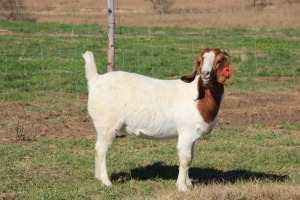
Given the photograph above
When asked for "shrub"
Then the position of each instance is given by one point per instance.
(162, 6)
(13, 10)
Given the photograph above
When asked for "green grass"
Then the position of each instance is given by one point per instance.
(41, 63)
(37, 57)
(64, 169)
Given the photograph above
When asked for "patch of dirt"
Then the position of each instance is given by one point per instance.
(30, 122)
(251, 108)
(26, 123)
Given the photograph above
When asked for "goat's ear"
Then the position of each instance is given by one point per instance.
(225, 73)
(190, 77)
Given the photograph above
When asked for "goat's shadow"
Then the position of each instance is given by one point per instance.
(160, 170)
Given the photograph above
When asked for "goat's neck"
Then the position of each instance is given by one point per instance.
(209, 100)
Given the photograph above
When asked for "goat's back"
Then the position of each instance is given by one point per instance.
(120, 88)
(142, 99)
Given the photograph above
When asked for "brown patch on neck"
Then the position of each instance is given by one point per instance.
(209, 100)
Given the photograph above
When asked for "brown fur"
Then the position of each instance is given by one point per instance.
(209, 100)
(210, 95)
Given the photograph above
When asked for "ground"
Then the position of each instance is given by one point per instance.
(22, 123)
(272, 14)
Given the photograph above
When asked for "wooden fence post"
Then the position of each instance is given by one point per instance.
(110, 34)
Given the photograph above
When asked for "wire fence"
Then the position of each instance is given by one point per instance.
(43, 86)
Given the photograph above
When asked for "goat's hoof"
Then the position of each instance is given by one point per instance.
(183, 188)
(107, 183)
(189, 184)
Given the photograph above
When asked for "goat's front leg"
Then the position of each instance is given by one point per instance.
(185, 153)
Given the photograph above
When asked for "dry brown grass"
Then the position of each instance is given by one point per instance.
(249, 191)
(271, 14)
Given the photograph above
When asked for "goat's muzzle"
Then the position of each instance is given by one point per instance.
(206, 77)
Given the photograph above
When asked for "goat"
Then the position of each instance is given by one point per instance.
(122, 102)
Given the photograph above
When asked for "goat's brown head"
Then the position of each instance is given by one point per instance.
(214, 66)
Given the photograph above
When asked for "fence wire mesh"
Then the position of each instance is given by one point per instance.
(43, 86)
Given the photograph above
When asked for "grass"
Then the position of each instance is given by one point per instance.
(41, 64)
(64, 169)
(47, 57)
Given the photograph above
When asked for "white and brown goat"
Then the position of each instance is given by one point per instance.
(121, 102)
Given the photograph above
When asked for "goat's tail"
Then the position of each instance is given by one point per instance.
(90, 66)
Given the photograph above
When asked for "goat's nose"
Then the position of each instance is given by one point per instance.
(205, 73)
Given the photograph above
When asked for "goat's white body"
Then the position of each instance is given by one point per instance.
(147, 108)
(144, 106)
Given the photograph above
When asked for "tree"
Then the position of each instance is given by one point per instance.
(162, 6)
(12, 10)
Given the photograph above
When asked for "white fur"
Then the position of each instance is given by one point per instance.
(146, 107)
(208, 63)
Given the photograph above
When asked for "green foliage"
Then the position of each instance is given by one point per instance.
(294, 126)
(64, 169)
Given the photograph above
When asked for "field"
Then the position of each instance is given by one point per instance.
(266, 14)
(47, 137)
(250, 162)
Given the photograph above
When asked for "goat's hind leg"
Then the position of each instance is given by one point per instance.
(105, 137)
(103, 143)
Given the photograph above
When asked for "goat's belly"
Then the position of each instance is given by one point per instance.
(151, 133)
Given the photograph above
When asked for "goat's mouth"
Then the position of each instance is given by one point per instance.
(206, 80)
